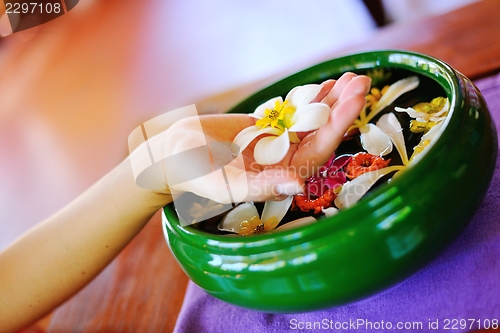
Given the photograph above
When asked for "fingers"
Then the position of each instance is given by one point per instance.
(337, 89)
(318, 146)
(357, 86)
(347, 108)
(326, 88)
(234, 183)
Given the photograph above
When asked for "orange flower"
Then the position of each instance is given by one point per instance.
(306, 204)
(364, 162)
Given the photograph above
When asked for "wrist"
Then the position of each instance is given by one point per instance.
(152, 199)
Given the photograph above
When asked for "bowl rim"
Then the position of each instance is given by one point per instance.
(421, 64)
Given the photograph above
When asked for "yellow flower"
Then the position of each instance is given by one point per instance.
(374, 96)
(244, 219)
(278, 117)
(373, 139)
(427, 115)
(280, 120)
(421, 126)
(256, 226)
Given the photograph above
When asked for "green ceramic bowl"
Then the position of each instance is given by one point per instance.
(387, 236)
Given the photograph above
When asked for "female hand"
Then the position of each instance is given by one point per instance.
(198, 158)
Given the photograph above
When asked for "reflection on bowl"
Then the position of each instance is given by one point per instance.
(387, 236)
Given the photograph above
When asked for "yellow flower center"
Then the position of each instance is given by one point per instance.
(274, 114)
(256, 226)
(431, 108)
(374, 96)
(280, 116)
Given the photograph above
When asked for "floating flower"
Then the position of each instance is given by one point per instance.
(354, 190)
(306, 204)
(280, 121)
(364, 162)
(244, 219)
(256, 226)
(322, 189)
(330, 176)
(373, 139)
(357, 188)
(427, 115)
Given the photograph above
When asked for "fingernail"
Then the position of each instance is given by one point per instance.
(362, 89)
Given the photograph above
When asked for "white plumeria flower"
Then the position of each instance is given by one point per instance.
(373, 139)
(388, 124)
(394, 92)
(244, 218)
(280, 120)
(392, 128)
(354, 190)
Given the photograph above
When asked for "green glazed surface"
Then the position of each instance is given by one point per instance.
(384, 238)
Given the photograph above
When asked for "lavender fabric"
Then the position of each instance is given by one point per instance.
(462, 283)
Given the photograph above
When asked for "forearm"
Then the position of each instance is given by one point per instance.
(58, 257)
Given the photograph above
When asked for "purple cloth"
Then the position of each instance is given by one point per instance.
(463, 282)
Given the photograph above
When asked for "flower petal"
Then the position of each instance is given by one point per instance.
(334, 180)
(272, 149)
(303, 95)
(276, 209)
(259, 111)
(412, 112)
(232, 221)
(247, 135)
(390, 125)
(330, 211)
(441, 114)
(429, 137)
(395, 90)
(297, 223)
(310, 117)
(355, 189)
(375, 141)
(433, 132)
(340, 162)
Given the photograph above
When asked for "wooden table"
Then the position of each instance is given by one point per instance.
(142, 290)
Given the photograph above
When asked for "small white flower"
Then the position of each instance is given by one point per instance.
(244, 218)
(390, 129)
(389, 125)
(280, 120)
(373, 139)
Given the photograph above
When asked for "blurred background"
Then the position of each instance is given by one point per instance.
(72, 90)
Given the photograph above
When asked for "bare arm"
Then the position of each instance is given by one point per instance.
(55, 259)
